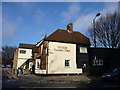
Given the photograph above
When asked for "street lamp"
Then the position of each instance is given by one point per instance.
(98, 14)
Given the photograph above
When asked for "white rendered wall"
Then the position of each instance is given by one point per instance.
(23, 57)
(58, 53)
(20, 62)
(27, 55)
(40, 71)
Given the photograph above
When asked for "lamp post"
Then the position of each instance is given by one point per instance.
(98, 14)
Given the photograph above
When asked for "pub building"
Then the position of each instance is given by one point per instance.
(62, 52)
(67, 52)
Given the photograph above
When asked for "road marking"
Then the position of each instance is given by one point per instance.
(111, 86)
(48, 87)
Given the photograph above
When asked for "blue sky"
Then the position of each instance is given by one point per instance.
(28, 22)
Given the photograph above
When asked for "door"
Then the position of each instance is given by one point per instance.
(84, 67)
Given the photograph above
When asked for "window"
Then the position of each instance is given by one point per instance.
(38, 65)
(83, 50)
(67, 63)
(22, 51)
(98, 62)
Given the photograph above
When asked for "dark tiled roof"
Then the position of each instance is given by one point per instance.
(68, 37)
(27, 46)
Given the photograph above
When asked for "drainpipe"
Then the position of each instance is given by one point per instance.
(47, 58)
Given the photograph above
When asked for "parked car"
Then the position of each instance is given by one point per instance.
(114, 75)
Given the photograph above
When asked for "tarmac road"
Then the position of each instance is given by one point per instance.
(33, 81)
(4, 74)
(7, 81)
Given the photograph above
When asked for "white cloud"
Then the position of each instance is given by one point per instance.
(8, 29)
(38, 15)
(109, 8)
(27, 6)
(82, 23)
(41, 33)
(72, 12)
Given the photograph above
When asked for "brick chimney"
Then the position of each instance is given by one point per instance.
(70, 27)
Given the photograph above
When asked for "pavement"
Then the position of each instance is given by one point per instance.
(10, 74)
(53, 78)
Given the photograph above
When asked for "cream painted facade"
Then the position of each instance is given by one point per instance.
(57, 54)
(22, 57)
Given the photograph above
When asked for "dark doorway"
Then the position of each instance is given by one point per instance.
(84, 67)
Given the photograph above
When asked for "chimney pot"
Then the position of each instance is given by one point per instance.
(70, 27)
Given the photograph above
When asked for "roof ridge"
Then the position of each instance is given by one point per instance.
(64, 36)
(83, 35)
(26, 43)
(52, 33)
(76, 32)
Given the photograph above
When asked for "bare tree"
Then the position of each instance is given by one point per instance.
(107, 31)
(8, 54)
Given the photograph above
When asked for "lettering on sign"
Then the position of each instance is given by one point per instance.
(61, 48)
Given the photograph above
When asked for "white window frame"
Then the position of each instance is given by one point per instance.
(68, 62)
(23, 51)
(37, 62)
(97, 62)
(83, 49)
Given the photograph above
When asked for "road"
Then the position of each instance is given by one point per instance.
(7, 81)
(32, 81)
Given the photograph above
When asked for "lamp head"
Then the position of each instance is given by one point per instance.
(98, 14)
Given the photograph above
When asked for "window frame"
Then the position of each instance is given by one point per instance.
(97, 62)
(22, 51)
(83, 49)
(67, 63)
(37, 63)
